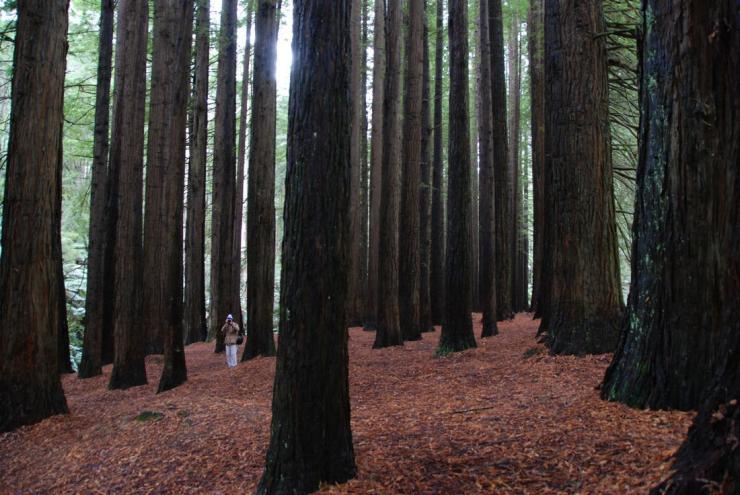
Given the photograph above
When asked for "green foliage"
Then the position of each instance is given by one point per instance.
(443, 351)
(144, 416)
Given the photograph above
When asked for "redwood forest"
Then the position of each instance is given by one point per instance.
(370, 246)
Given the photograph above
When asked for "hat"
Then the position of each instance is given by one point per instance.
(229, 317)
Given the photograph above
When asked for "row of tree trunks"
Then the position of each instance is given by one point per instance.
(584, 296)
(519, 282)
(196, 328)
(30, 388)
(535, 47)
(163, 233)
(502, 209)
(261, 193)
(388, 313)
(457, 328)
(376, 164)
(241, 160)
(223, 299)
(487, 191)
(409, 233)
(311, 440)
(126, 171)
(92, 345)
(425, 198)
(436, 269)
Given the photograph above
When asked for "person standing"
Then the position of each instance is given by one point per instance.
(230, 331)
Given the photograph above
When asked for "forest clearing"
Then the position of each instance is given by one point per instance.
(503, 418)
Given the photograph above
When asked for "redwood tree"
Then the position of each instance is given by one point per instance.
(92, 345)
(436, 269)
(584, 292)
(195, 228)
(502, 208)
(457, 329)
(261, 187)
(126, 166)
(311, 440)
(682, 314)
(30, 389)
(376, 164)
(487, 191)
(224, 298)
(163, 310)
(537, 105)
(409, 232)
(388, 329)
(425, 197)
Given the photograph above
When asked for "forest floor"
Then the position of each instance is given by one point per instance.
(503, 418)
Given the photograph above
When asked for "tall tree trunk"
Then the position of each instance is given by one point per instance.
(425, 199)
(681, 324)
(457, 329)
(535, 46)
(30, 389)
(376, 163)
(389, 330)
(474, 110)
(364, 176)
(519, 284)
(261, 194)
(355, 211)
(585, 297)
(311, 440)
(163, 278)
(162, 275)
(409, 233)
(436, 270)
(241, 160)
(223, 299)
(502, 209)
(196, 327)
(92, 344)
(126, 164)
(486, 190)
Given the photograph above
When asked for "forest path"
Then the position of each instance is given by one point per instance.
(535, 425)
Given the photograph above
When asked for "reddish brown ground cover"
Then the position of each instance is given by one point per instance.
(503, 418)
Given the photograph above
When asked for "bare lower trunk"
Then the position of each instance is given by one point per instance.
(425, 201)
(311, 440)
(537, 104)
(261, 193)
(126, 164)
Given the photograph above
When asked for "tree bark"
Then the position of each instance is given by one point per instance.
(126, 164)
(355, 272)
(425, 200)
(163, 272)
(389, 331)
(364, 176)
(502, 209)
(436, 271)
(457, 329)
(537, 104)
(224, 300)
(311, 440)
(261, 194)
(30, 389)
(92, 344)
(474, 110)
(487, 191)
(196, 327)
(376, 164)
(585, 296)
(409, 233)
(681, 327)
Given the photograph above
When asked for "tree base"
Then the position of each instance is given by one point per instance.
(490, 329)
(130, 376)
(28, 403)
(709, 460)
(580, 335)
(385, 338)
(88, 370)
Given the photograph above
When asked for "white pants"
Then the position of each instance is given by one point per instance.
(231, 355)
